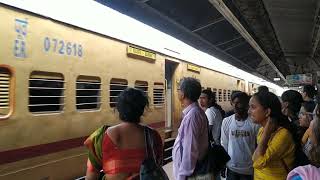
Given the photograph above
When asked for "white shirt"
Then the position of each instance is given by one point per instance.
(215, 119)
(239, 139)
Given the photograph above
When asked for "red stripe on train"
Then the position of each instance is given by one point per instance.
(43, 149)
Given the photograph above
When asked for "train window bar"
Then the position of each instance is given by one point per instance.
(88, 93)
(46, 92)
(224, 95)
(158, 95)
(220, 95)
(142, 85)
(5, 100)
(229, 95)
(116, 87)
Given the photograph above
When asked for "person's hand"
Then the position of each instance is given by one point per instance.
(270, 127)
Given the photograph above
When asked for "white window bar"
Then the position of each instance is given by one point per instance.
(88, 93)
(46, 95)
(116, 87)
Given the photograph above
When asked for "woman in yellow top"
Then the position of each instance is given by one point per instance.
(274, 156)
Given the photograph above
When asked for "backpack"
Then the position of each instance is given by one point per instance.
(149, 169)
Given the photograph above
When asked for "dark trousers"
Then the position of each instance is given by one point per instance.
(231, 175)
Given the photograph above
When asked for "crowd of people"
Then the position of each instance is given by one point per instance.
(266, 136)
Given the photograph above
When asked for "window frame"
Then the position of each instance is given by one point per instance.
(62, 100)
(160, 104)
(126, 85)
(11, 96)
(88, 78)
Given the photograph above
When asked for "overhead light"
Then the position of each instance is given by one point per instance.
(276, 79)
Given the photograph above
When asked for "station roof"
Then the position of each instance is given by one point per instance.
(268, 38)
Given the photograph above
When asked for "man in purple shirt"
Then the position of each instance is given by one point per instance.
(191, 143)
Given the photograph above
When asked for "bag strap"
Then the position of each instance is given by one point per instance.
(146, 140)
(149, 144)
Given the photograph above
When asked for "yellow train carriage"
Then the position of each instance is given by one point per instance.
(58, 84)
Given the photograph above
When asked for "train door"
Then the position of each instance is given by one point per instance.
(170, 68)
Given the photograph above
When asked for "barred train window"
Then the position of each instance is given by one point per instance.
(229, 95)
(214, 90)
(116, 87)
(5, 77)
(46, 92)
(224, 95)
(158, 95)
(220, 95)
(142, 85)
(88, 92)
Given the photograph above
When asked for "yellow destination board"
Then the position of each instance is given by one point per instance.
(141, 53)
(193, 68)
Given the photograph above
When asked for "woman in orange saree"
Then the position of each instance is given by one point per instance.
(119, 150)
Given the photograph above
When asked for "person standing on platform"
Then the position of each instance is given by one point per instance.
(238, 137)
(275, 154)
(191, 143)
(208, 103)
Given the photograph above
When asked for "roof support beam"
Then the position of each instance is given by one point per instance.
(210, 24)
(316, 32)
(226, 42)
(225, 11)
(236, 45)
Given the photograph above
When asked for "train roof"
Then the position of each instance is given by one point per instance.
(93, 16)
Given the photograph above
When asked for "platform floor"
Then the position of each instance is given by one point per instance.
(169, 170)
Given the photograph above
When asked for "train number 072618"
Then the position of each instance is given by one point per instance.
(62, 47)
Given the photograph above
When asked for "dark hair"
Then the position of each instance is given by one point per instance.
(210, 96)
(212, 101)
(263, 88)
(242, 96)
(191, 88)
(271, 101)
(233, 93)
(131, 104)
(294, 99)
(308, 106)
(309, 90)
(315, 148)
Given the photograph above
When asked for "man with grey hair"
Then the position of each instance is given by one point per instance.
(191, 143)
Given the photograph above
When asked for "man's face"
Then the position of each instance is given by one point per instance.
(203, 100)
(180, 95)
(239, 106)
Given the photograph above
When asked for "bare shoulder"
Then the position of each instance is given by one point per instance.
(114, 132)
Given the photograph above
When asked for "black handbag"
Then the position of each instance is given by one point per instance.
(214, 161)
(218, 157)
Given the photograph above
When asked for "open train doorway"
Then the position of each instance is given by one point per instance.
(170, 68)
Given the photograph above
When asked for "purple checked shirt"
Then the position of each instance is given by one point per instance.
(192, 141)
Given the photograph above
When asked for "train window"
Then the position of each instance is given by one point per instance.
(220, 95)
(46, 92)
(116, 87)
(229, 95)
(5, 85)
(214, 90)
(158, 95)
(224, 95)
(88, 92)
(142, 85)
(209, 88)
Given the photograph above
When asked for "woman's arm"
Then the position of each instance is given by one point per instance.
(92, 173)
(263, 145)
